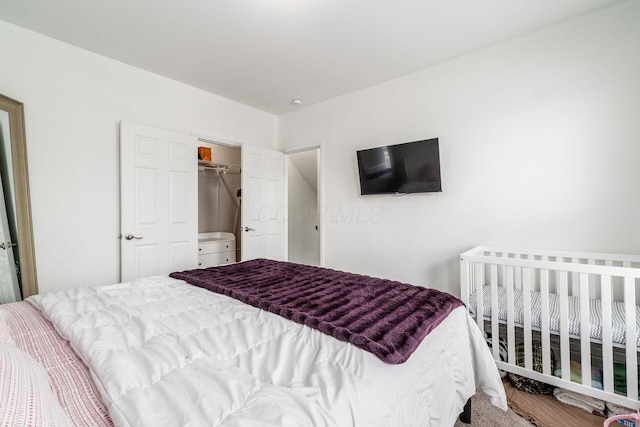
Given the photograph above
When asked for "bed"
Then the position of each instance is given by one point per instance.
(579, 309)
(160, 351)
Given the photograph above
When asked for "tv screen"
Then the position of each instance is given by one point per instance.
(412, 167)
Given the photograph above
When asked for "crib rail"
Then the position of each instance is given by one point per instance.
(606, 278)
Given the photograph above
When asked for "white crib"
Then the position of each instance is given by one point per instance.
(585, 305)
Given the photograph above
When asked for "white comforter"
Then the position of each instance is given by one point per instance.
(165, 353)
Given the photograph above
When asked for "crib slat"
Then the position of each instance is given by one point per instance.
(630, 321)
(575, 285)
(565, 358)
(585, 330)
(526, 294)
(607, 337)
(592, 280)
(466, 287)
(544, 323)
(495, 334)
(478, 279)
(511, 332)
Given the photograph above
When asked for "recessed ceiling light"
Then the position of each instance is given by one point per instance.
(297, 102)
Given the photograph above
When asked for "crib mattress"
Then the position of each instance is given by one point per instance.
(595, 314)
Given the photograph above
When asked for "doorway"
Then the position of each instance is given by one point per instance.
(176, 242)
(304, 219)
(219, 202)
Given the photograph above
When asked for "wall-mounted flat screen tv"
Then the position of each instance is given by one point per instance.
(412, 167)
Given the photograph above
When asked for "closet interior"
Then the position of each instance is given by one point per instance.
(219, 204)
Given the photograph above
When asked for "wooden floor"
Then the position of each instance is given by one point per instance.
(484, 414)
(547, 411)
(534, 410)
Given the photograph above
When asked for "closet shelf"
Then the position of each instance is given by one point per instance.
(219, 167)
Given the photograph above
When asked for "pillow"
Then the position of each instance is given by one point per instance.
(25, 393)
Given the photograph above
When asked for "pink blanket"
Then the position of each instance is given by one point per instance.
(70, 379)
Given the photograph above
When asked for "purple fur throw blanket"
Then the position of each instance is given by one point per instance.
(386, 318)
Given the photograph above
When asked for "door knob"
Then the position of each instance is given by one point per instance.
(7, 245)
(130, 236)
(249, 229)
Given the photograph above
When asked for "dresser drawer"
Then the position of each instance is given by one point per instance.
(218, 258)
(216, 246)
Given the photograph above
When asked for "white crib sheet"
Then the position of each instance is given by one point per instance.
(595, 313)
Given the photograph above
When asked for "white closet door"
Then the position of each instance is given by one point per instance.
(158, 201)
(263, 206)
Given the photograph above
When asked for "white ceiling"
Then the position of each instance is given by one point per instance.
(264, 53)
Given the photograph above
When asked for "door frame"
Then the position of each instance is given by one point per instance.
(204, 137)
(211, 139)
(297, 148)
(26, 248)
(200, 137)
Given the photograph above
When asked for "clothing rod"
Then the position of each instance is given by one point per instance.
(223, 171)
(220, 167)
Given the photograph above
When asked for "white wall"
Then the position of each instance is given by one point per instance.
(539, 144)
(74, 101)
